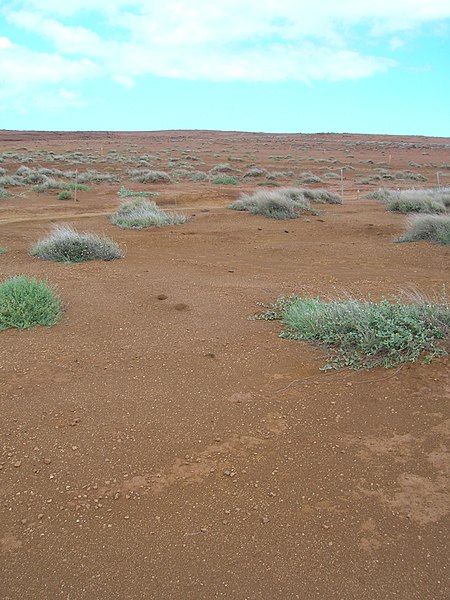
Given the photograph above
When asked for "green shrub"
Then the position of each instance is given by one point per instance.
(225, 180)
(435, 228)
(64, 195)
(3, 250)
(363, 334)
(284, 203)
(140, 213)
(50, 184)
(65, 244)
(79, 187)
(27, 302)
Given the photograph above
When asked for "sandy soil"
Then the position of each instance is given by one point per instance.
(157, 444)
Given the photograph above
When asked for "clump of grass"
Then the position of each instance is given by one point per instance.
(280, 204)
(364, 334)
(435, 228)
(4, 193)
(322, 196)
(26, 302)
(414, 201)
(255, 172)
(225, 180)
(140, 213)
(79, 187)
(64, 195)
(126, 193)
(149, 176)
(222, 168)
(310, 178)
(50, 184)
(3, 250)
(65, 244)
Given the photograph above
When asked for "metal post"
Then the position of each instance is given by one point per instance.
(76, 184)
(342, 182)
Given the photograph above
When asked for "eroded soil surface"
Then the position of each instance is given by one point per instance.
(157, 444)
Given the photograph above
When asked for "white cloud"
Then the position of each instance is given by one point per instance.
(249, 40)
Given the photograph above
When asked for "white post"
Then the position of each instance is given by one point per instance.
(438, 180)
(76, 184)
(342, 182)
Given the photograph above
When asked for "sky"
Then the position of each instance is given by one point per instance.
(286, 66)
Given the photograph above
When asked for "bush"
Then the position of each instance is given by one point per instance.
(310, 178)
(125, 193)
(50, 184)
(65, 195)
(79, 187)
(419, 201)
(285, 203)
(27, 302)
(3, 250)
(4, 193)
(225, 180)
(435, 228)
(139, 213)
(255, 172)
(322, 196)
(149, 176)
(65, 244)
(363, 334)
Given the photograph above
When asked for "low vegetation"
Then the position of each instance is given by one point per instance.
(26, 302)
(65, 195)
(140, 213)
(426, 201)
(65, 244)
(435, 228)
(126, 193)
(365, 334)
(225, 180)
(285, 203)
(149, 176)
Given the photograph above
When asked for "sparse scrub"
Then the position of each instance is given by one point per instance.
(413, 201)
(96, 177)
(26, 302)
(255, 172)
(280, 204)
(222, 168)
(140, 213)
(4, 193)
(149, 176)
(50, 184)
(322, 196)
(65, 195)
(310, 178)
(435, 228)
(65, 244)
(126, 193)
(364, 334)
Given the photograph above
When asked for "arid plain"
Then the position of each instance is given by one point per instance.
(158, 444)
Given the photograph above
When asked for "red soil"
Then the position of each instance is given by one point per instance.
(171, 448)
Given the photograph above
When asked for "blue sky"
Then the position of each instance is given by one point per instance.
(250, 65)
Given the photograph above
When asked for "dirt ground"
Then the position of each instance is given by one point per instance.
(158, 444)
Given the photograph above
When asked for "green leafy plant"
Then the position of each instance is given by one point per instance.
(65, 195)
(79, 187)
(26, 302)
(364, 334)
(3, 250)
(225, 180)
(65, 244)
(140, 213)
